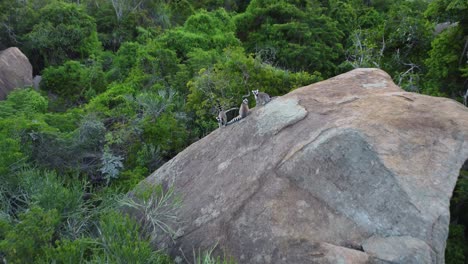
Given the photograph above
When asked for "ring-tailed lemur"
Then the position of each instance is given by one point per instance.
(222, 117)
(260, 97)
(243, 111)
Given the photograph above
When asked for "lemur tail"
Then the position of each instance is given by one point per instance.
(234, 108)
(235, 119)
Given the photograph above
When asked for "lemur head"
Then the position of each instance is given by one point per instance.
(255, 92)
(218, 119)
(245, 101)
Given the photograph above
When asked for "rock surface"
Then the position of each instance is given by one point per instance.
(37, 81)
(15, 71)
(349, 170)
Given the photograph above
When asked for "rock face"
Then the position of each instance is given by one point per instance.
(349, 170)
(15, 71)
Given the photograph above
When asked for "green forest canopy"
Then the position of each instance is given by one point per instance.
(128, 84)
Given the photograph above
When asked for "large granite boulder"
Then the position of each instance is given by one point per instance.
(15, 71)
(349, 170)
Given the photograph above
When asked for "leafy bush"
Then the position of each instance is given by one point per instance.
(457, 249)
(70, 251)
(28, 239)
(159, 209)
(111, 165)
(300, 35)
(121, 241)
(73, 81)
(63, 31)
(25, 101)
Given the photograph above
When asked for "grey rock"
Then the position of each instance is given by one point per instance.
(439, 28)
(347, 170)
(15, 71)
(403, 249)
(37, 81)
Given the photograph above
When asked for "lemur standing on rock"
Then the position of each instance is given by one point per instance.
(261, 98)
(243, 111)
(222, 117)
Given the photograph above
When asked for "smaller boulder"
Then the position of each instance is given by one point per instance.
(37, 81)
(15, 71)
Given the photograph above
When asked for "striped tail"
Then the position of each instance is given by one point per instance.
(235, 119)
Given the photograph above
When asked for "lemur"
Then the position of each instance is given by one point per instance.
(260, 97)
(243, 111)
(222, 117)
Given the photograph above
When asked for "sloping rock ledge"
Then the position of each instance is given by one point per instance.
(349, 170)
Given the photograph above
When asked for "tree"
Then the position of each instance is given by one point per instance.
(302, 37)
(202, 30)
(64, 31)
(74, 82)
(26, 242)
(16, 19)
(448, 58)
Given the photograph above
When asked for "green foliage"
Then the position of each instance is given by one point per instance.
(56, 224)
(128, 179)
(457, 249)
(448, 10)
(119, 21)
(169, 128)
(301, 37)
(167, 68)
(17, 18)
(457, 243)
(207, 258)
(364, 50)
(10, 154)
(63, 31)
(159, 209)
(113, 28)
(66, 121)
(111, 165)
(345, 14)
(203, 30)
(448, 60)
(407, 37)
(124, 60)
(156, 67)
(234, 75)
(407, 32)
(27, 240)
(73, 81)
(78, 150)
(370, 18)
(396, 40)
(111, 102)
(121, 242)
(25, 101)
(443, 67)
(4, 227)
(69, 251)
(20, 114)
